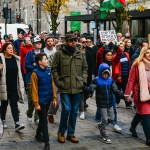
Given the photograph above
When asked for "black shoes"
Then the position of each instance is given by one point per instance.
(133, 131)
(39, 138)
(148, 142)
(47, 147)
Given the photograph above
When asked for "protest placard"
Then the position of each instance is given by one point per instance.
(108, 35)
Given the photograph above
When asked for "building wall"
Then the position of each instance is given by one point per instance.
(29, 14)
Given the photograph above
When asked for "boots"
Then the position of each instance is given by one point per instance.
(47, 146)
(133, 131)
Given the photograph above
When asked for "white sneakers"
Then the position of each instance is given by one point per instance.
(19, 126)
(82, 116)
(4, 124)
(117, 128)
(106, 140)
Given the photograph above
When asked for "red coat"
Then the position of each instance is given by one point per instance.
(142, 108)
(24, 49)
(118, 71)
(114, 62)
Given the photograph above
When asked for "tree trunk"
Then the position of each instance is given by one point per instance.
(54, 22)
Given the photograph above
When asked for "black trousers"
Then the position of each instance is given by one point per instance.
(136, 120)
(13, 100)
(145, 119)
(43, 123)
(146, 125)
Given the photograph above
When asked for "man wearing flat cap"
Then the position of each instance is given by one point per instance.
(69, 69)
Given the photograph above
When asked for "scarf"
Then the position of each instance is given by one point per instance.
(143, 80)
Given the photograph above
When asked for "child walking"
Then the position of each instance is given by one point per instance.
(43, 92)
(105, 87)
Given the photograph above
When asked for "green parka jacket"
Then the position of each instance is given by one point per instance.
(69, 71)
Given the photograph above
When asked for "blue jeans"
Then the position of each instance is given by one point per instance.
(98, 114)
(70, 105)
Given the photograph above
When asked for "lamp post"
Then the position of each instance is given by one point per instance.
(5, 13)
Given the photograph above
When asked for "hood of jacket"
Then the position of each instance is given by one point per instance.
(102, 68)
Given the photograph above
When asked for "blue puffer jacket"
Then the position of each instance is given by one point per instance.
(44, 81)
(29, 64)
(103, 88)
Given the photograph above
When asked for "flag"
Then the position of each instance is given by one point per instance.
(109, 5)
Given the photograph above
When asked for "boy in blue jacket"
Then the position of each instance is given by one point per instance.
(105, 87)
(43, 92)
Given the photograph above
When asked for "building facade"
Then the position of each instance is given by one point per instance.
(25, 11)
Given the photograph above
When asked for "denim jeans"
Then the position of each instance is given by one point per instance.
(98, 114)
(114, 108)
(70, 105)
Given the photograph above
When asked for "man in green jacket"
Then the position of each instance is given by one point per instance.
(69, 69)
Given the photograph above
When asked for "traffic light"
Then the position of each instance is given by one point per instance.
(18, 18)
(5, 12)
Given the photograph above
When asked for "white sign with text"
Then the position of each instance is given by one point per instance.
(108, 35)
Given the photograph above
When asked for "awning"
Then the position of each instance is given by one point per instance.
(136, 15)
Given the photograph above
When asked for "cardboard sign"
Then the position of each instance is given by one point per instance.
(108, 35)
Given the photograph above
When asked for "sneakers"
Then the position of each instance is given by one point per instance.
(19, 126)
(73, 139)
(61, 137)
(106, 140)
(36, 121)
(51, 118)
(117, 128)
(29, 119)
(82, 116)
(4, 124)
(134, 133)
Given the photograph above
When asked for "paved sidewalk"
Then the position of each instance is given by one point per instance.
(86, 131)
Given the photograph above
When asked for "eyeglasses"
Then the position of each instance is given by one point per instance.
(72, 40)
(83, 42)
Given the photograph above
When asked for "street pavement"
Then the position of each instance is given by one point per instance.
(86, 131)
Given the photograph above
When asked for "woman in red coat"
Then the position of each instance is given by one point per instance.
(139, 83)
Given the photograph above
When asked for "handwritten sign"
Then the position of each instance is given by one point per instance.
(108, 35)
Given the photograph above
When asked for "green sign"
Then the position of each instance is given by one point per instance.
(75, 25)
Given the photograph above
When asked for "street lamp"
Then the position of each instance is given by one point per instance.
(5, 13)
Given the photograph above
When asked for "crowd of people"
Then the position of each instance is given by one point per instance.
(54, 71)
